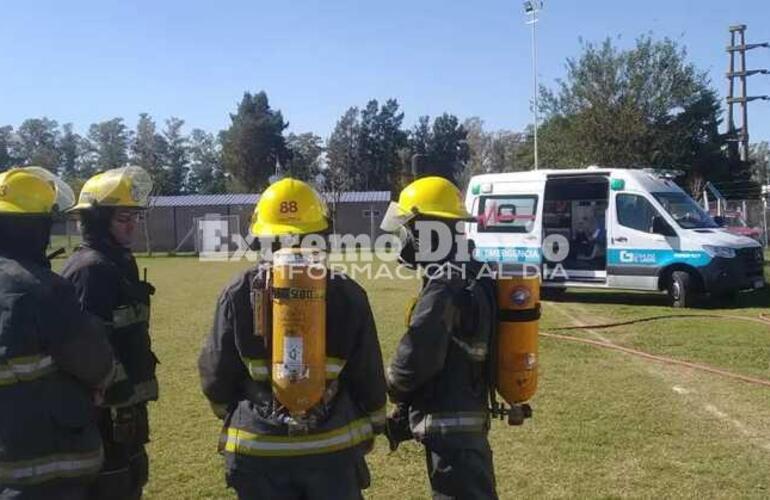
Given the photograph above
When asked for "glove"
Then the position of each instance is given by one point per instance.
(397, 427)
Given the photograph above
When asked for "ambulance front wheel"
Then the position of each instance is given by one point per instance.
(682, 289)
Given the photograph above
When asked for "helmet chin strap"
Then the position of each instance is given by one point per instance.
(409, 247)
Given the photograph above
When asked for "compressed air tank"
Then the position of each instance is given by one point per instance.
(518, 300)
(298, 328)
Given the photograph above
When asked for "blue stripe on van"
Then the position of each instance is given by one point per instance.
(523, 255)
(656, 257)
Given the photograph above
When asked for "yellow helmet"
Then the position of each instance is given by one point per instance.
(289, 206)
(125, 187)
(33, 191)
(429, 196)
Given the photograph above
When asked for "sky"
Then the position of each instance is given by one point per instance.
(88, 61)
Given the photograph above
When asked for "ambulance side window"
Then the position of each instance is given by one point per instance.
(507, 214)
(635, 212)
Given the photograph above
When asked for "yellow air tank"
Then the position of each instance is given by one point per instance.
(518, 302)
(299, 328)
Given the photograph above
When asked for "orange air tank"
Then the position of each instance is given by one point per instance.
(299, 328)
(518, 300)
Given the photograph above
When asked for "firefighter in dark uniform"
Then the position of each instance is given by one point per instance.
(54, 359)
(107, 281)
(439, 377)
(266, 454)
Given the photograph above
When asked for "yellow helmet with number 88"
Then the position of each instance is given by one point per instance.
(287, 207)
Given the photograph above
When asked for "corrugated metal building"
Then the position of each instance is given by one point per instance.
(170, 222)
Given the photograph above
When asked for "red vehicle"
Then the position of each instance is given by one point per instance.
(734, 223)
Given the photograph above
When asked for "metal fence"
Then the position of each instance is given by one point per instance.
(745, 216)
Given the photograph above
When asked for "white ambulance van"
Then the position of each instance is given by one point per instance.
(608, 228)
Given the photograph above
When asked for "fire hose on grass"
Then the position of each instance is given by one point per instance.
(763, 318)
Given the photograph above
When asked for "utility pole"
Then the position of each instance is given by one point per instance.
(531, 8)
(277, 175)
(765, 196)
(741, 135)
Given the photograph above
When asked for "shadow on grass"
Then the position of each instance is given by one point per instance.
(743, 300)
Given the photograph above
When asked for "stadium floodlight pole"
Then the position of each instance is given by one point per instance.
(531, 8)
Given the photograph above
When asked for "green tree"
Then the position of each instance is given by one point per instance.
(420, 137)
(108, 145)
(7, 159)
(176, 158)
(254, 142)
(448, 151)
(306, 150)
(148, 149)
(342, 161)
(508, 152)
(759, 154)
(70, 148)
(206, 176)
(36, 143)
(369, 150)
(442, 148)
(380, 139)
(479, 143)
(691, 142)
(643, 107)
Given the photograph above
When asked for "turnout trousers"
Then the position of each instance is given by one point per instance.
(126, 466)
(338, 482)
(461, 473)
(59, 489)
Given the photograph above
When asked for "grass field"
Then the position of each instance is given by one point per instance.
(606, 424)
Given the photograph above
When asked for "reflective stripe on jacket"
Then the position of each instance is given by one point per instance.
(51, 467)
(378, 418)
(50, 363)
(129, 315)
(261, 445)
(442, 424)
(25, 369)
(235, 367)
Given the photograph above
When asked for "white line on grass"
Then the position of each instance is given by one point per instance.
(738, 425)
(751, 436)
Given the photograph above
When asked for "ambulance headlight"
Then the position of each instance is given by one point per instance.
(724, 252)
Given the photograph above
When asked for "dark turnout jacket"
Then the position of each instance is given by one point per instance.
(53, 358)
(235, 369)
(106, 279)
(440, 368)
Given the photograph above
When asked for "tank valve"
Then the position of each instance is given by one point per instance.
(516, 414)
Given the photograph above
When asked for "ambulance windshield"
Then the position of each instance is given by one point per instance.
(684, 210)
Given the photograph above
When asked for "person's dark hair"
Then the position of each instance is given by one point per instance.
(95, 223)
(25, 236)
